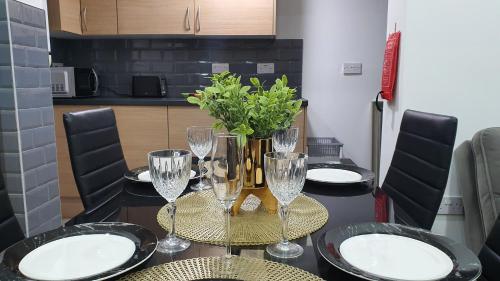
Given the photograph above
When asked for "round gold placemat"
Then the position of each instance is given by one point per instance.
(251, 269)
(200, 217)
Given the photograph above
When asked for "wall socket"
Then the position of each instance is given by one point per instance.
(351, 68)
(220, 67)
(451, 205)
(263, 68)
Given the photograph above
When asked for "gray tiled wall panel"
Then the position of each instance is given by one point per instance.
(33, 158)
(17, 202)
(21, 218)
(9, 162)
(34, 98)
(4, 32)
(7, 99)
(4, 54)
(13, 182)
(5, 77)
(46, 173)
(22, 35)
(49, 225)
(25, 14)
(44, 213)
(8, 120)
(9, 142)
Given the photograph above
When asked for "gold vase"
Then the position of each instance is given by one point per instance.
(254, 175)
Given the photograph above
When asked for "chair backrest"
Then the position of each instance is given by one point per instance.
(96, 156)
(10, 231)
(490, 254)
(418, 173)
(478, 163)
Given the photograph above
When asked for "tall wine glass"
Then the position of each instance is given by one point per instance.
(227, 180)
(285, 140)
(285, 176)
(200, 142)
(170, 170)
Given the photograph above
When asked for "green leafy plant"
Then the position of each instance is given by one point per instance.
(257, 113)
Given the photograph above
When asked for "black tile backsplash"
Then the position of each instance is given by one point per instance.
(186, 63)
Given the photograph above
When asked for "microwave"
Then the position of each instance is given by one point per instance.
(73, 82)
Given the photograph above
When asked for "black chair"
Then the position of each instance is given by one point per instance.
(10, 231)
(97, 160)
(418, 173)
(490, 254)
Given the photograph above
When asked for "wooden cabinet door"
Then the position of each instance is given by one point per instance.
(142, 129)
(99, 17)
(235, 17)
(64, 15)
(155, 17)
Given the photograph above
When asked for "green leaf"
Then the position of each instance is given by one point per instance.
(193, 100)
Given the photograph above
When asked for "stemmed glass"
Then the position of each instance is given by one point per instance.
(200, 142)
(170, 170)
(227, 181)
(285, 176)
(285, 140)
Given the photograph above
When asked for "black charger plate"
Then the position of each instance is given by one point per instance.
(144, 239)
(466, 265)
(363, 186)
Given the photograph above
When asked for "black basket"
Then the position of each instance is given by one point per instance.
(324, 147)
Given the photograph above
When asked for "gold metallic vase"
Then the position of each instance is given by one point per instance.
(254, 175)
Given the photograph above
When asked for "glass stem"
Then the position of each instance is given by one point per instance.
(227, 210)
(172, 208)
(200, 167)
(284, 223)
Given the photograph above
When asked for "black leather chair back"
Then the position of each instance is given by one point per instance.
(418, 173)
(10, 231)
(490, 254)
(96, 156)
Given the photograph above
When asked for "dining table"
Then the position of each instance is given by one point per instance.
(139, 204)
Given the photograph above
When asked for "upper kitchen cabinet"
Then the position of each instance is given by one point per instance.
(231, 17)
(64, 16)
(170, 17)
(98, 17)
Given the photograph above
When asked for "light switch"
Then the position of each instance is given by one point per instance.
(263, 68)
(220, 67)
(352, 68)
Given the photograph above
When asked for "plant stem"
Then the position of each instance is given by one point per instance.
(284, 223)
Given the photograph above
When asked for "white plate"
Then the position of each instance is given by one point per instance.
(333, 175)
(77, 257)
(396, 257)
(146, 177)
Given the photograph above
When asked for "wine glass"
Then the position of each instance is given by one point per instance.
(170, 170)
(285, 176)
(285, 140)
(227, 181)
(200, 142)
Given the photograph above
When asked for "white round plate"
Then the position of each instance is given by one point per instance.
(77, 257)
(329, 175)
(146, 177)
(396, 257)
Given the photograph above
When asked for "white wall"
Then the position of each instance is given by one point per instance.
(449, 64)
(334, 32)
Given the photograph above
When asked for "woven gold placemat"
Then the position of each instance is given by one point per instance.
(200, 217)
(250, 269)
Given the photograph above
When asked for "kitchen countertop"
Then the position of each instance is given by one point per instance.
(127, 101)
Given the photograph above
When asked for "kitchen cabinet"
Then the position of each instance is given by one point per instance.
(64, 16)
(99, 17)
(171, 17)
(230, 17)
(163, 17)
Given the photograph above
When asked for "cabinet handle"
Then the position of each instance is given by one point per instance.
(198, 19)
(85, 18)
(188, 19)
